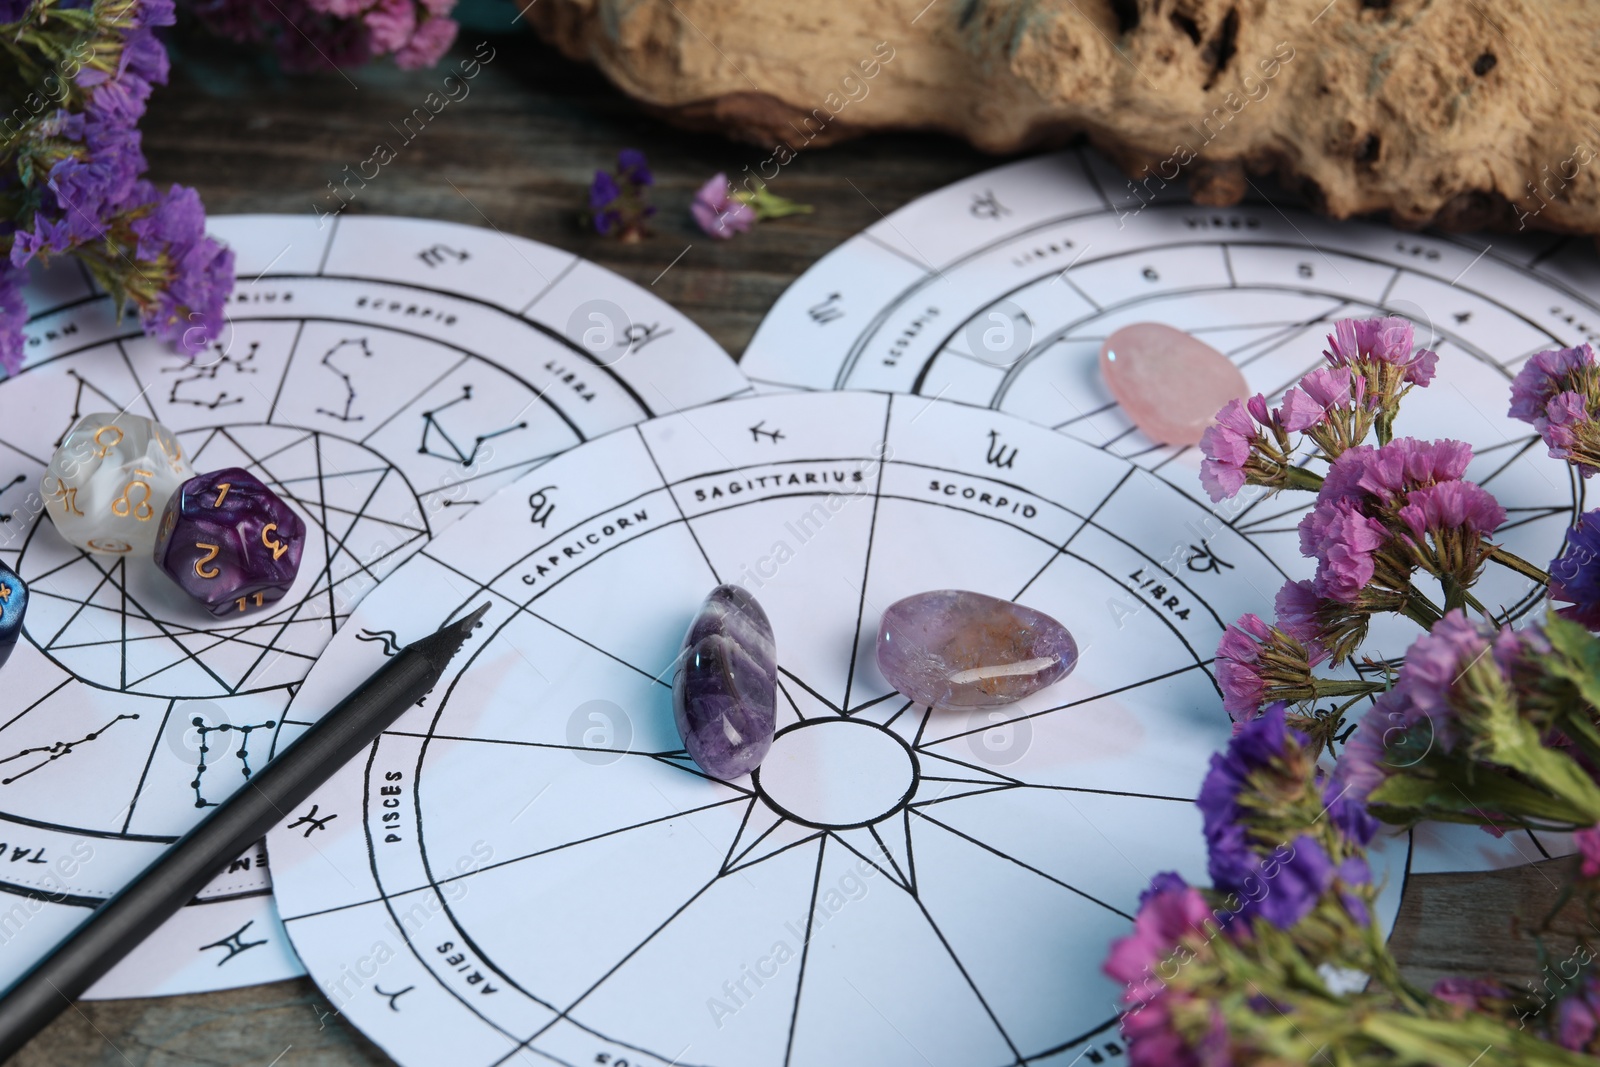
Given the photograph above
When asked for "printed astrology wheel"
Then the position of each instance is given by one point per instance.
(530, 865)
(381, 376)
(1000, 289)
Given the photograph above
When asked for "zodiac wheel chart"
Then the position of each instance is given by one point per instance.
(999, 290)
(381, 376)
(530, 867)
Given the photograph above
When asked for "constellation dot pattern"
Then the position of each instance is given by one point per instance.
(379, 392)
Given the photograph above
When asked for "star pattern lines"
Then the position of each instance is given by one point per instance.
(114, 624)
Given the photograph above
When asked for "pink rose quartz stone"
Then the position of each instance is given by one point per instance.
(1170, 384)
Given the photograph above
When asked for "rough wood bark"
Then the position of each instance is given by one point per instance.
(1459, 114)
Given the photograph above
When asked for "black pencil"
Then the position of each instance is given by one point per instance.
(114, 928)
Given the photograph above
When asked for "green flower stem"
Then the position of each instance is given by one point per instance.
(1518, 564)
(1300, 478)
(1419, 609)
(1327, 687)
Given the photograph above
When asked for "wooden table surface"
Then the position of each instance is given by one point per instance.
(517, 154)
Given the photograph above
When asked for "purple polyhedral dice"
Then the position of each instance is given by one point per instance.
(230, 542)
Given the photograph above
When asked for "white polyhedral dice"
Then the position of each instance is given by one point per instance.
(108, 482)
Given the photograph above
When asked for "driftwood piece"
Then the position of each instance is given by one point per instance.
(1455, 113)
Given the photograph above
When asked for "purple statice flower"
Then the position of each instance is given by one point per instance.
(1374, 341)
(1451, 506)
(1226, 444)
(12, 11)
(428, 45)
(13, 316)
(604, 193)
(188, 310)
(1406, 723)
(1281, 888)
(1345, 541)
(1578, 1017)
(1543, 376)
(632, 167)
(618, 199)
(1575, 573)
(1558, 393)
(718, 212)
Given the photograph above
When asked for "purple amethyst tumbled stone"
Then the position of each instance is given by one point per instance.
(955, 649)
(230, 542)
(725, 692)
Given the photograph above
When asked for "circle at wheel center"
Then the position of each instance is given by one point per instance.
(836, 773)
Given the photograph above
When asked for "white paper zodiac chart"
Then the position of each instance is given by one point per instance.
(528, 862)
(380, 375)
(999, 290)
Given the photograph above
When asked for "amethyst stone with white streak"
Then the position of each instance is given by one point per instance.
(955, 649)
(725, 692)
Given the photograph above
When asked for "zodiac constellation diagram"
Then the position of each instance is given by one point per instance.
(380, 393)
(590, 896)
(999, 290)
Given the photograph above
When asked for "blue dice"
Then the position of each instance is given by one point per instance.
(13, 605)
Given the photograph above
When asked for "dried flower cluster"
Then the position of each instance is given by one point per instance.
(1490, 719)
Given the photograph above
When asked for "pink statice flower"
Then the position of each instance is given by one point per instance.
(1227, 444)
(1299, 608)
(1299, 411)
(1451, 506)
(1469, 995)
(1588, 845)
(1170, 912)
(1355, 342)
(428, 44)
(1332, 387)
(1258, 664)
(390, 24)
(718, 212)
(1344, 541)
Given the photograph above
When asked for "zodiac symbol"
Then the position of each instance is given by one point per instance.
(757, 433)
(392, 996)
(107, 446)
(103, 544)
(390, 639)
(542, 506)
(827, 311)
(234, 943)
(310, 818)
(123, 507)
(997, 451)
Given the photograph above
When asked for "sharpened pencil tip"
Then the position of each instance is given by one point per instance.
(442, 645)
